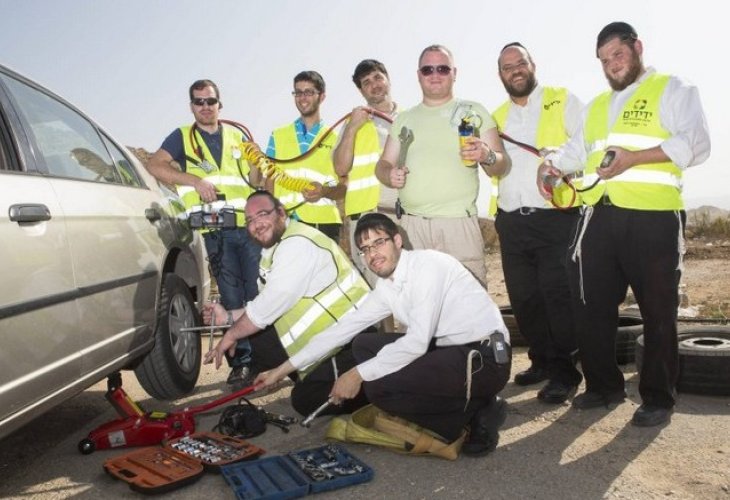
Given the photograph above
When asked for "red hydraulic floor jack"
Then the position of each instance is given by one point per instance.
(135, 427)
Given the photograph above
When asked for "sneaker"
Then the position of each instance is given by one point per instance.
(240, 376)
(556, 392)
(650, 415)
(591, 399)
(533, 375)
(484, 428)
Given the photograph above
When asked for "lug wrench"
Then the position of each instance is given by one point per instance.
(308, 421)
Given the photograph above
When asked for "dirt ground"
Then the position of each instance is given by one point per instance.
(545, 452)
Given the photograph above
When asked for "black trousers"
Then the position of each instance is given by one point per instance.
(309, 393)
(533, 248)
(622, 248)
(431, 391)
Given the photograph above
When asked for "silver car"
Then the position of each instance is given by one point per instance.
(99, 268)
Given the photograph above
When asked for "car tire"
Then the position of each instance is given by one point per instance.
(704, 360)
(170, 370)
(630, 326)
(516, 339)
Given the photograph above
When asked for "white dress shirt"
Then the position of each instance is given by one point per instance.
(680, 112)
(300, 268)
(517, 187)
(433, 295)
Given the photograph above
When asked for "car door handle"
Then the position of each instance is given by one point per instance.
(29, 212)
(152, 214)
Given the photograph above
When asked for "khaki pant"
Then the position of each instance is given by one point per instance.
(459, 237)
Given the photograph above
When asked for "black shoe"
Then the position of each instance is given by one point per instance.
(591, 399)
(556, 392)
(484, 428)
(532, 375)
(240, 377)
(649, 416)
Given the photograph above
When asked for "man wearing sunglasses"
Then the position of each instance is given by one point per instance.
(203, 161)
(307, 284)
(437, 190)
(360, 145)
(445, 371)
(534, 235)
(306, 136)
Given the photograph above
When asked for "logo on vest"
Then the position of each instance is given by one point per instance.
(549, 105)
(638, 116)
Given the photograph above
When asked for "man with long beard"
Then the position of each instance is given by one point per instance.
(632, 230)
(533, 234)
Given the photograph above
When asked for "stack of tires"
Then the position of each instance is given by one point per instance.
(704, 359)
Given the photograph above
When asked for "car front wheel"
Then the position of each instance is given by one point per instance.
(170, 370)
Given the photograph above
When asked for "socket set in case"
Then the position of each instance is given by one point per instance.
(296, 474)
(179, 462)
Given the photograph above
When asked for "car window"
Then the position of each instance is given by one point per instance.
(68, 143)
(126, 171)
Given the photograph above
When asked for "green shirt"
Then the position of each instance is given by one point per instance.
(438, 183)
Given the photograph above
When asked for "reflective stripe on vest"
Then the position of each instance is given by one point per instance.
(316, 167)
(652, 186)
(363, 188)
(551, 134)
(312, 315)
(226, 177)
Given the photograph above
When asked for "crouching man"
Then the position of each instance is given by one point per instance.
(307, 284)
(441, 373)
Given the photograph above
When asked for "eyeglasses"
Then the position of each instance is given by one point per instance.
(307, 92)
(210, 101)
(441, 69)
(251, 219)
(377, 244)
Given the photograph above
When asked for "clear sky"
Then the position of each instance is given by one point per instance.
(129, 63)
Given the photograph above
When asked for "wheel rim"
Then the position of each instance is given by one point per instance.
(183, 343)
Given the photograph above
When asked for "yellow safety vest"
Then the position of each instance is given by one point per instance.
(551, 134)
(226, 177)
(651, 186)
(363, 187)
(315, 167)
(312, 315)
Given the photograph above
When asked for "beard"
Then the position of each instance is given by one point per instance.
(635, 68)
(524, 89)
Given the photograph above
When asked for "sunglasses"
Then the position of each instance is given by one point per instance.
(441, 69)
(210, 101)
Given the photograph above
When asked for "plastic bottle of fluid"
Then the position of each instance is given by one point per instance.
(466, 130)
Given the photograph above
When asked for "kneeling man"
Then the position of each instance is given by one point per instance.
(441, 373)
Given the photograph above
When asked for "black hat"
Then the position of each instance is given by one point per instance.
(618, 28)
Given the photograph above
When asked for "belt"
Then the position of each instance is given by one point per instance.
(535, 210)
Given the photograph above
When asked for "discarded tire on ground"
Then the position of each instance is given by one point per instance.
(630, 326)
(515, 336)
(704, 360)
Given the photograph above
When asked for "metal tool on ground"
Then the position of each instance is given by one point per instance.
(135, 427)
(308, 421)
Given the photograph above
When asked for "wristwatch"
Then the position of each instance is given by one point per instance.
(491, 159)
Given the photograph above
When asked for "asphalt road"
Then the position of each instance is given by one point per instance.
(545, 452)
